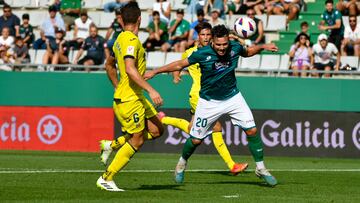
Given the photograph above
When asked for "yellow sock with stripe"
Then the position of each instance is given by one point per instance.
(120, 141)
(222, 149)
(176, 122)
(121, 158)
(148, 136)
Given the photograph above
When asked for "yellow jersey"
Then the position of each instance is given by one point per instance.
(128, 45)
(194, 71)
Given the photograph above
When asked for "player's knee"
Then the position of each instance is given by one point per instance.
(251, 131)
(217, 127)
(137, 140)
(196, 141)
(158, 131)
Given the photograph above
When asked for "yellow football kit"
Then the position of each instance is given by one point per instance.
(195, 73)
(130, 105)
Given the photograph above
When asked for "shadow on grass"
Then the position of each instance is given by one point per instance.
(159, 187)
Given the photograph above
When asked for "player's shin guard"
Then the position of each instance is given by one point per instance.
(121, 158)
(188, 149)
(177, 122)
(256, 147)
(222, 149)
(120, 141)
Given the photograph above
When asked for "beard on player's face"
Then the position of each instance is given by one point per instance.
(220, 45)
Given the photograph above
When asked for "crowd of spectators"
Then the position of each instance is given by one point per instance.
(175, 34)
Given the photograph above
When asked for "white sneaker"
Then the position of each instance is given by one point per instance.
(105, 151)
(266, 176)
(180, 172)
(108, 185)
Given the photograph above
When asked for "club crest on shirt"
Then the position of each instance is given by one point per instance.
(232, 53)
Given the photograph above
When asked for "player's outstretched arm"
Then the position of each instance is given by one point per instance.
(171, 67)
(110, 68)
(135, 76)
(255, 49)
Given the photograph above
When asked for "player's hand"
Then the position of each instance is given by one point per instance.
(270, 47)
(149, 74)
(156, 98)
(176, 79)
(322, 27)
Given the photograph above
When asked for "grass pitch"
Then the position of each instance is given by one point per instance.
(58, 177)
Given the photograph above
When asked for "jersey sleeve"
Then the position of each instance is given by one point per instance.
(129, 47)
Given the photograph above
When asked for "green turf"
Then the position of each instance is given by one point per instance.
(217, 186)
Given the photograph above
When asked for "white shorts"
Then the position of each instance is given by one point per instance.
(207, 112)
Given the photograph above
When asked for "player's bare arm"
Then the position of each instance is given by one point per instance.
(171, 67)
(258, 48)
(135, 76)
(110, 68)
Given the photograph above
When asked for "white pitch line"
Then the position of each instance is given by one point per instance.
(17, 171)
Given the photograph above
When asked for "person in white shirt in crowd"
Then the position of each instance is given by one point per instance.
(351, 42)
(81, 29)
(325, 56)
(164, 8)
(6, 48)
(215, 19)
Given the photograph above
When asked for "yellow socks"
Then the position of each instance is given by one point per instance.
(222, 149)
(176, 122)
(120, 141)
(121, 158)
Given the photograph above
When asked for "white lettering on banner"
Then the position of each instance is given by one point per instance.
(49, 129)
(21, 133)
(273, 135)
(356, 135)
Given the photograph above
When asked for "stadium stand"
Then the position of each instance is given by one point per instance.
(276, 31)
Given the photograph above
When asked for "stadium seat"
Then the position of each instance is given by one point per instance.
(252, 62)
(106, 19)
(172, 56)
(20, 4)
(263, 18)
(39, 56)
(284, 62)
(146, 4)
(37, 17)
(44, 3)
(155, 59)
(269, 62)
(276, 23)
(92, 4)
(95, 17)
(143, 36)
(144, 20)
(352, 61)
(32, 53)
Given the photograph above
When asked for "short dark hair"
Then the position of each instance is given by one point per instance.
(200, 12)
(155, 13)
(83, 12)
(130, 13)
(220, 31)
(329, 1)
(6, 6)
(304, 23)
(202, 26)
(25, 16)
(353, 16)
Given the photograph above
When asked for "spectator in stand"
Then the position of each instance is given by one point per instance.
(164, 8)
(258, 36)
(57, 4)
(21, 52)
(115, 29)
(195, 5)
(70, 10)
(47, 30)
(26, 31)
(215, 19)
(95, 45)
(179, 30)
(193, 35)
(325, 55)
(81, 29)
(348, 7)
(60, 55)
(112, 6)
(332, 22)
(6, 47)
(301, 55)
(9, 20)
(219, 5)
(241, 6)
(289, 7)
(158, 33)
(351, 42)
